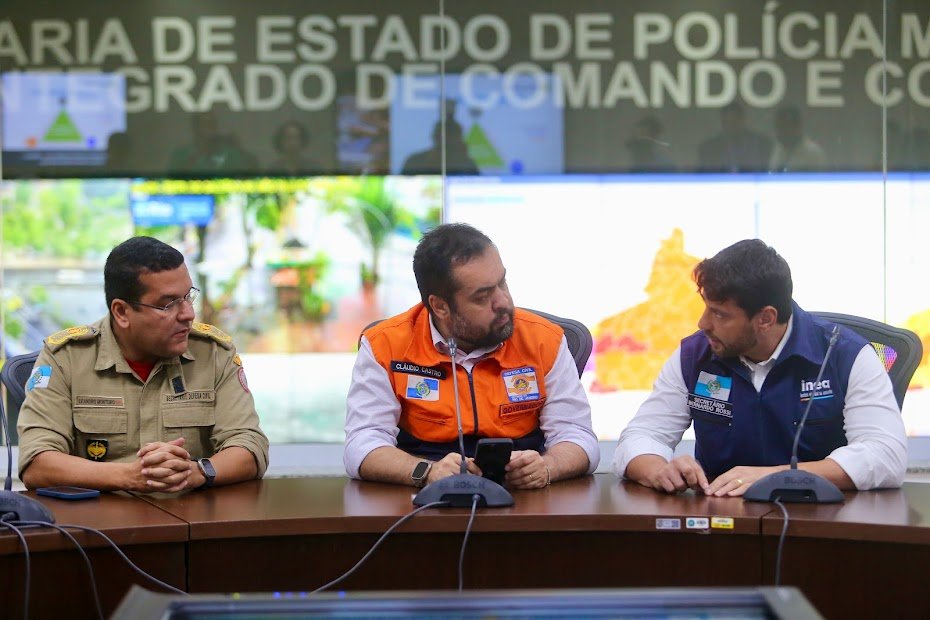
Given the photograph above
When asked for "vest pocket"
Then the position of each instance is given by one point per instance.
(104, 428)
(430, 417)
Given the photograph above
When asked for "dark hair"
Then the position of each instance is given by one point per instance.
(441, 249)
(278, 139)
(750, 273)
(129, 260)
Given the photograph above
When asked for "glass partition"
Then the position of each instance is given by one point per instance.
(295, 152)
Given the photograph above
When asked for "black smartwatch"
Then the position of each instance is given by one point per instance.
(206, 468)
(421, 473)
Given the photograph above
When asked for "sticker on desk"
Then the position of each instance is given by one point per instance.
(697, 523)
(721, 523)
(668, 524)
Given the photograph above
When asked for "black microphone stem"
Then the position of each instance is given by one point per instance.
(810, 401)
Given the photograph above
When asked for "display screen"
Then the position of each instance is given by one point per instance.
(61, 119)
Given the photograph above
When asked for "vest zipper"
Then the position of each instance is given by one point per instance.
(474, 403)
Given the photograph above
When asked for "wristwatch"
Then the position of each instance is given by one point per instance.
(206, 468)
(421, 473)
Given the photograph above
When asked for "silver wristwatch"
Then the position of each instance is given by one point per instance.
(421, 473)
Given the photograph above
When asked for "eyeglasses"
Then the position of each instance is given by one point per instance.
(174, 305)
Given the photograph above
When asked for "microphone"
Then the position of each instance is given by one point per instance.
(794, 485)
(21, 507)
(459, 490)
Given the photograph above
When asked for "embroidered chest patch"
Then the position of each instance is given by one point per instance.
(713, 386)
(521, 384)
(422, 388)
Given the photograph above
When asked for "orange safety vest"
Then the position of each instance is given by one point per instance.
(503, 396)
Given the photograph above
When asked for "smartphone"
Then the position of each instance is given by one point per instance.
(68, 492)
(491, 455)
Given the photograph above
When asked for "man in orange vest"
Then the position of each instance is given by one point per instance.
(517, 378)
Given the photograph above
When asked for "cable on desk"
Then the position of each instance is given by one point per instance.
(22, 539)
(378, 542)
(116, 548)
(781, 541)
(474, 507)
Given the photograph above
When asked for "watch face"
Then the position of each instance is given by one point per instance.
(419, 472)
(207, 467)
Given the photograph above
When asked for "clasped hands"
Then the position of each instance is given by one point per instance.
(165, 467)
(684, 472)
(526, 470)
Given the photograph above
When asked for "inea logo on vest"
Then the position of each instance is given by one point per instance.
(818, 390)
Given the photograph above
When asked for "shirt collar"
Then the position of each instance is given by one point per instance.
(109, 354)
(781, 345)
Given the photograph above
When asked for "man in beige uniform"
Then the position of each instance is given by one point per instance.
(144, 399)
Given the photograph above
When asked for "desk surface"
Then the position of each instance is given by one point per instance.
(297, 506)
(888, 515)
(122, 517)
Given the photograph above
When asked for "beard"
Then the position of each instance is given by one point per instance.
(477, 337)
(745, 342)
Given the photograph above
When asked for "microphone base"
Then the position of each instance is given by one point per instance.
(23, 508)
(459, 491)
(794, 486)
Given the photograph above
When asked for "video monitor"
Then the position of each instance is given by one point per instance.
(656, 603)
(61, 120)
(494, 124)
(617, 252)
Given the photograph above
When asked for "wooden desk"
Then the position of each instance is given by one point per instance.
(299, 533)
(867, 557)
(153, 539)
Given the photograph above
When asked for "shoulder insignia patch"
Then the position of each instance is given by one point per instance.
(205, 330)
(83, 332)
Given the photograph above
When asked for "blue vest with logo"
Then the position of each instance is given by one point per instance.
(735, 425)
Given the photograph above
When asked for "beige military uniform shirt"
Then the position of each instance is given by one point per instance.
(83, 399)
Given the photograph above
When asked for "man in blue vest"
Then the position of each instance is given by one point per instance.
(744, 380)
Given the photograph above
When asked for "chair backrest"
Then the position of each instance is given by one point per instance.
(580, 342)
(15, 374)
(579, 339)
(898, 348)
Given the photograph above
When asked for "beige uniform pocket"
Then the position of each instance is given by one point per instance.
(101, 433)
(193, 422)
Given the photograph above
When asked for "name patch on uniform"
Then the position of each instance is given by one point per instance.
(711, 406)
(97, 449)
(422, 388)
(713, 386)
(116, 402)
(518, 407)
(206, 396)
(820, 389)
(39, 378)
(415, 369)
(521, 384)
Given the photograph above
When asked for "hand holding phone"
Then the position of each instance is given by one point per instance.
(492, 455)
(68, 492)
